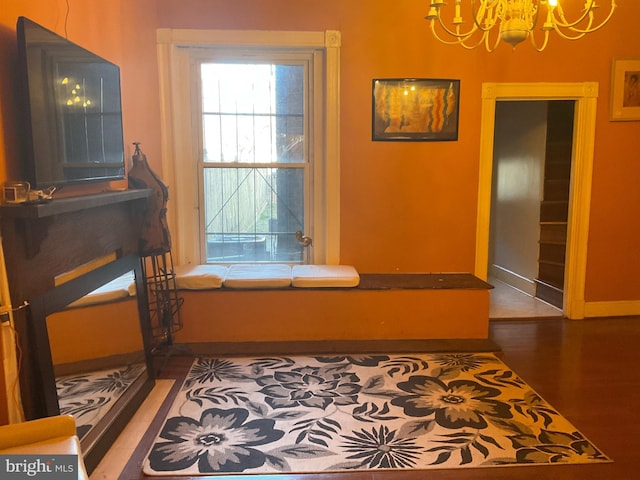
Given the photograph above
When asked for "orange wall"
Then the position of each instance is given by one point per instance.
(407, 207)
(113, 329)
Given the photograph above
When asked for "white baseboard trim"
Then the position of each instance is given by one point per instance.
(612, 309)
(513, 279)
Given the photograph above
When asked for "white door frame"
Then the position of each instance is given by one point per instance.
(586, 95)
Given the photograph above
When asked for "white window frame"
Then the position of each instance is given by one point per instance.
(177, 52)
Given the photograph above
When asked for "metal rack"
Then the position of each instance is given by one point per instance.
(164, 302)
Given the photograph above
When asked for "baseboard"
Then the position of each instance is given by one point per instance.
(340, 346)
(612, 309)
(549, 293)
(100, 363)
(513, 279)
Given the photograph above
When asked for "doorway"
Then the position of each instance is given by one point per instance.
(529, 207)
(585, 97)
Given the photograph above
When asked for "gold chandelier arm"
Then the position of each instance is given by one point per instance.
(561, 21)
(448, 31)
(489, 21)
(477, 25)
(462, 39)
(459, 39)
(564, 35)
(475, 45)
(544, 43)
(490, 48)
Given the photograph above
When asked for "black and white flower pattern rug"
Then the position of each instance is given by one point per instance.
(89, 396)
(335, 413)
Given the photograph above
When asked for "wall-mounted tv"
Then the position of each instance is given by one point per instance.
(74, 110)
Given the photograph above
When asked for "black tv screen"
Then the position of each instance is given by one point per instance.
(74, 110)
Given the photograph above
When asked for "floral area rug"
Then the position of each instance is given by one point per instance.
(334, 413)
(89, 396)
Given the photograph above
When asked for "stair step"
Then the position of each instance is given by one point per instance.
(561, 132)
(557, 165)
(551, 263)
(553, 232)
(551, 273)
(560, 116)
(556, 189)
(552, 252)
(554, 210)
(549, 293)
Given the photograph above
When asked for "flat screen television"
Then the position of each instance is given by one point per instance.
(73, 104)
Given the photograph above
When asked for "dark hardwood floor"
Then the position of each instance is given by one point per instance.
(589, 370)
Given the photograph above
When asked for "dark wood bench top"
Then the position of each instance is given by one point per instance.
(396, 281)
(441, 281)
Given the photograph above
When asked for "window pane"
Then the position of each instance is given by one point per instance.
(238, 139)
(253, 113)
(238, 88)
(252, 214)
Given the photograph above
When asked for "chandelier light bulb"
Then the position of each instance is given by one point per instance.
(471, 23)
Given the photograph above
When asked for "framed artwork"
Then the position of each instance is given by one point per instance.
(625, 89)
(415, 109)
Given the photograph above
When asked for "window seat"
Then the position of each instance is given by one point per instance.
(403, 306)
(240, 276)
(326, 303)
(265, 276)
(117, 289)
(258, 276)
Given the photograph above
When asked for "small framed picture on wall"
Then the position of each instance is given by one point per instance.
(415, 109)
(625, 89)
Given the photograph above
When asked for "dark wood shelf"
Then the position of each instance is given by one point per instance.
(32, 221)
(72, 204)
(440, 281)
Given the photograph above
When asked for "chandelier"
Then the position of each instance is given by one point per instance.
(515, 21)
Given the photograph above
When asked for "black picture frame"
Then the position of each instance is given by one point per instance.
(415, 109)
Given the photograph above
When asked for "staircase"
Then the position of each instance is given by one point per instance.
(554, 207)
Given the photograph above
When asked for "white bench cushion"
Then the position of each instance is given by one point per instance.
(116, 289)
(315, 276)
(257, 275)
(200, 277)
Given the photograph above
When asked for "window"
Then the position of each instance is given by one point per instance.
(256, 181)
(251, 130)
